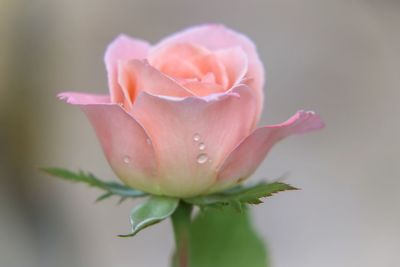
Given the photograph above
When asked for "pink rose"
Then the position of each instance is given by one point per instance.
(181, 116)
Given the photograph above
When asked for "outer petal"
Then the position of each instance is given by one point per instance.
(124, 141)
(75, 98)
(215, 37)
(180, 127)
(135, 76)
(247, 156)
(122, 48)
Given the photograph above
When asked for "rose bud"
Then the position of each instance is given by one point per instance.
(181, 116)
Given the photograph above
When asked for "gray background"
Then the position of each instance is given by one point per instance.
(340, 58)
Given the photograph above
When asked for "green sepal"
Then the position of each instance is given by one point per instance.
(152, 211)
(240, 195)
(110, 188)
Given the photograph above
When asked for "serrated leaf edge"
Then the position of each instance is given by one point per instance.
(111, 188)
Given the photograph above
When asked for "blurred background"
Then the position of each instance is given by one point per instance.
(340, 58)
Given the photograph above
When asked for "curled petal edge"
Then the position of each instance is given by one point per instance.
(249, 154)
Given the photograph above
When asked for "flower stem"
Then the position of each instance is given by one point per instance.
(180, 223)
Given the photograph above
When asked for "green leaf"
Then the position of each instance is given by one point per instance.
(254, 195)
(241, 195)
(110, 188)
(153, 211)
(103, 196)
(225, 239)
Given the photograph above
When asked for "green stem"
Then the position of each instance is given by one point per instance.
(180, 223)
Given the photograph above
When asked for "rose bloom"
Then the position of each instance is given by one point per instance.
(181, 116)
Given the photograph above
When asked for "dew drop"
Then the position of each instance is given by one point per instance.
(126, 159)
(148, 141)
(202, 158)
(202, 146)
(196, 137)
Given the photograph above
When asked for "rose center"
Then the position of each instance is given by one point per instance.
(193, 66)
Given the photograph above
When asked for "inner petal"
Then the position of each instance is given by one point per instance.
(177, 60)
(211, 64)
(235, 62)
(203, 88)
(208, 78)
(186, 62)
(135, 76)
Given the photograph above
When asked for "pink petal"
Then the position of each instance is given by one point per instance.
(216, 37)
(235, 61)
(125, 143)
(136, 76)
(176, 60)
(188, 61)
(248, 155)
(220, 120)
(76, 98)
(211, 64)
(203, 88)
(122, 48)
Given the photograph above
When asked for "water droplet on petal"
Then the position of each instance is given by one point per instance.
(202, 158)
(202, 146)
(148, 141)
(126, 159)
(196, 137)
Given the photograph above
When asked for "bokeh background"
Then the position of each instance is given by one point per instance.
(340, 58)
